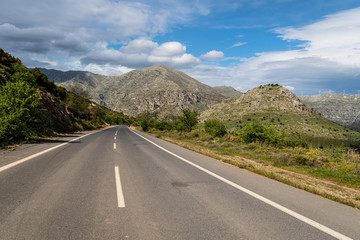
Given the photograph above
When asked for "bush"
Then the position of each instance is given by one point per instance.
(189, 119)
(145, 125)
(215, 128)
(260, 132)
(163, 125)
(178, 125)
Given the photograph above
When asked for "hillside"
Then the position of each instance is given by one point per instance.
(160, 90)
(32, 106)
(340, 108)
(278, 106)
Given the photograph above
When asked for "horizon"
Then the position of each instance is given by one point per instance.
(309, 47)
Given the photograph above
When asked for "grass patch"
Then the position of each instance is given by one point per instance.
(348, 179)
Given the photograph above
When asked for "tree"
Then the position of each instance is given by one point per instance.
(18, 108)
(189, 119)
(215, 128)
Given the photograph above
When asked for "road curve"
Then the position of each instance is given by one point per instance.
(122, 184)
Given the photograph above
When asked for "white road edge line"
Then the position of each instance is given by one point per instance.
(296, 215)
(40, 153)
(119, 192)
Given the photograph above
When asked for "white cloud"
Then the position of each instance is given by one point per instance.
(290, 88)
(107, 69)
(213, 55)
(141, 53)
(140, 45)
(169, 49)
(239, 44)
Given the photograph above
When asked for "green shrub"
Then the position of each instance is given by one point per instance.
(215, 128)
(301, 160)
(162, 125)
(145, 125)
(260, 132)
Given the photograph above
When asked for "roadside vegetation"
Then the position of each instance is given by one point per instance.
(31, 106)
(264, 148)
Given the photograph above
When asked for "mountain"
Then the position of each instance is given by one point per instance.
(340, 108)
(160, 90)
(227, 91)
(280, 107)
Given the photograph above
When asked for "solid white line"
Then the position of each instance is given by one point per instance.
(38, 154)
(119, 192)
(114, 145)
(257, 196)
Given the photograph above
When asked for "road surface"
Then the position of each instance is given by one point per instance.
(122, 184)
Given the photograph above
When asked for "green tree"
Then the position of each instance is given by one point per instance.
(215, 128)
(189, 119)
(18, 109)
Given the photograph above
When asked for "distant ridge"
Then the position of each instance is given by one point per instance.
(227, 91)
(159, 90)
(340, 108)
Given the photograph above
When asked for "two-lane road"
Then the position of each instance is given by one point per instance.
(121, 184)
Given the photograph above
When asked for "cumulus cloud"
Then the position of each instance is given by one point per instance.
(140, 45)
(169, 49)
(141, 53)
(213, 55)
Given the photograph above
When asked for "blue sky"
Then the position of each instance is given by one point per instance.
(309, 46)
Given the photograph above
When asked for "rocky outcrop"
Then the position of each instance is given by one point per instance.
(54, 113)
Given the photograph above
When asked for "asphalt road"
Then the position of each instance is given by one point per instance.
(121, 184)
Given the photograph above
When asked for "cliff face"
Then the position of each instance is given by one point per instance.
(160, 90)
(340, 108)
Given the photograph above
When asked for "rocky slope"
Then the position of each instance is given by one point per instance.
(160, 90)
(340, 108)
